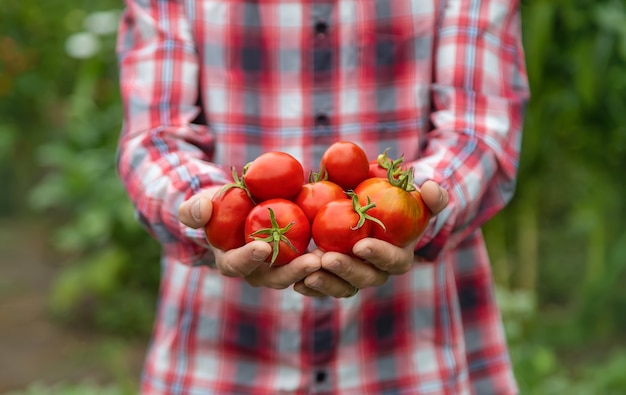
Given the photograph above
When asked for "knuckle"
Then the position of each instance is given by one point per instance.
(345, 270)
(370, 279)
(376, 279)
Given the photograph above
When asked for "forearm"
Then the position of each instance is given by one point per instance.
(478, 94)
(163, 158)
(160, 170)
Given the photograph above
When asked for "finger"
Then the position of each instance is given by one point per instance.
(281, 277)
(357, 272)
(328, 284)
(301, 288)
(434, 196)
(385, 256)
(240, 262)
(196, 211)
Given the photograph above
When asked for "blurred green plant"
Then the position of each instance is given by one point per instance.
(112, 358)
(559, 249)
(63, 109)
(71, 389)
(535, 346)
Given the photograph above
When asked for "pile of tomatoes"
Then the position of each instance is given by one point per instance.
(352, 197)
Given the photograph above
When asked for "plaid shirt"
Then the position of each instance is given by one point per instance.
(209, 84)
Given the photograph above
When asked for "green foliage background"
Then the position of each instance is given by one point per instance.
(559, 249)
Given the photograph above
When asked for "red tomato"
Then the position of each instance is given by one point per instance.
(345, 164)
(316, 193)
(231, 206)
(225, 229)
(273, 175)
(284, 225)
(376, 171)
(340, 224)
(380, 166)
(399, 206)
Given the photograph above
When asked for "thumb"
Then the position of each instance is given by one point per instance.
(196, 211)
(435, 197)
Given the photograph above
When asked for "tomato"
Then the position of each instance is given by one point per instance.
(345, 164)
(398, 205)
(273, 175)
(341, 223)
(316, 193)
(380, 166)
(231, 205)
(375, 171)
(284, 225)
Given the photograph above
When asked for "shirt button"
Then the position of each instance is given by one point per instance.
(321, 120)
(320, 376)
(321, 28)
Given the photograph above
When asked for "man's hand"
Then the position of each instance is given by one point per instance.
(248, 261)
(376, 260)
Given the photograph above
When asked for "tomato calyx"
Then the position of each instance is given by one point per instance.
(238, 182)
(362, 212)
(317, 177)
(392, 166)
(276, 234)
(403, 180)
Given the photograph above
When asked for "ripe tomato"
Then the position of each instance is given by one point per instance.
(316, 193)
(398, 205)
(273, 175)
(380, 166)
(345, 163)
(231, 205)
(341, 223)
(284, 225)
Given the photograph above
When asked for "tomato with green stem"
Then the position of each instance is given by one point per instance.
(231, 205)
(283, 225)
(380, 166)
(316, 193)
(341, 223)
(398, 205)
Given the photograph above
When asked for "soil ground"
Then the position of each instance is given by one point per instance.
(34, 348)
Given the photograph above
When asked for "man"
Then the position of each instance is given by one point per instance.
(210, 84)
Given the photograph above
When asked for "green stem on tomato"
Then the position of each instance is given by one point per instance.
(387, 163)
(276, 234)
(362, 212)
(317, 176)
(237, 183)
(405, 179)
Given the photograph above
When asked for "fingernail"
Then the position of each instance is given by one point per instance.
(195, 210)
(258, 255)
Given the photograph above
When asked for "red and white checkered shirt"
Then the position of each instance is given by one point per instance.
(208, 84)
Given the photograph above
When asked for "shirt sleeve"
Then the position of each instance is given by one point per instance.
(478, 96)
(163, 157)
